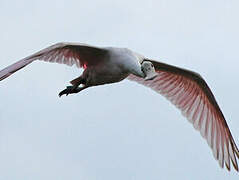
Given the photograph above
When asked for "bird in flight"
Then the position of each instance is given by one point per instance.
(186, 89)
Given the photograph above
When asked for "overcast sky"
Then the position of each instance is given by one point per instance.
(122, 131)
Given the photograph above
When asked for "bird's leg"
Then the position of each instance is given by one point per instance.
(74, 89)
(71, 90)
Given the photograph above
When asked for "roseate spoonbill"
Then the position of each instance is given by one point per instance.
(187, 90)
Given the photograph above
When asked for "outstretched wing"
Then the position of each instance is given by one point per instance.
(81, 55)
(189, 92)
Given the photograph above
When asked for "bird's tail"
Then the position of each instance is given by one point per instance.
(13, 68)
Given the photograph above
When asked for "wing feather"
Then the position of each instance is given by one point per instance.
(189, 92)
(81, 55)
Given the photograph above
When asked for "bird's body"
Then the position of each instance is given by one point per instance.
(187, 90)
(119, 64)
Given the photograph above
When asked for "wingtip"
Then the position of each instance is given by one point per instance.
(228, 167)
(3, 77)
(235, 165)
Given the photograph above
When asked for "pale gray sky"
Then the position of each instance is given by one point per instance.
(122, 131)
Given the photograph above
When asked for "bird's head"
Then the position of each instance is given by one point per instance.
(148, 69)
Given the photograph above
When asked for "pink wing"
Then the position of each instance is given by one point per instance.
(190, 93)
(81, 55)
